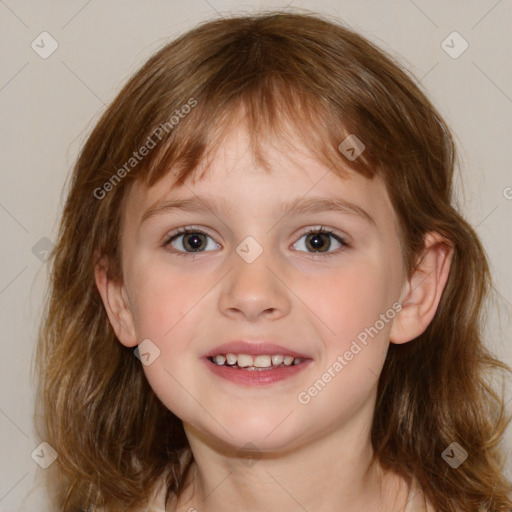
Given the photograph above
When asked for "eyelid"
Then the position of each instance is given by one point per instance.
(330, 231)
(184, 230)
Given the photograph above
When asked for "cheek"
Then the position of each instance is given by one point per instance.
(161, 299)
(350, 299)
(351, 306)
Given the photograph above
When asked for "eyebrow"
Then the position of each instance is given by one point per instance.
(297, 206)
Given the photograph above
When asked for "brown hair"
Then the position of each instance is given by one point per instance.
(113, 436)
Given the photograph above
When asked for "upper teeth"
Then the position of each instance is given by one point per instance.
(260, 361)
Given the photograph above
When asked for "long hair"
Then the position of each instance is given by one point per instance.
(278, 70)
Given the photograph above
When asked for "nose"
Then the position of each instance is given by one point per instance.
(255, 290)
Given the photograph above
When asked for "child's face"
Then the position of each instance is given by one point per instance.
(312, 303)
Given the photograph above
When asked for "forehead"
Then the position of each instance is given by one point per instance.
(232, 179)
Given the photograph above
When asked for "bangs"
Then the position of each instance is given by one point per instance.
(276, 112)
(300, 88)
(295, 88)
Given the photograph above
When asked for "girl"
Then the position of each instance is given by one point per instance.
(262, 297)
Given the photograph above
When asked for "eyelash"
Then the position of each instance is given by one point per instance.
(191, 229)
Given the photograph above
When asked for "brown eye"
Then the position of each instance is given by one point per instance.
(320, 241)
(190, 241)
(193, 241)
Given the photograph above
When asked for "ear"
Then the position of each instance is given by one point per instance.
(422, 291)
(117, 304)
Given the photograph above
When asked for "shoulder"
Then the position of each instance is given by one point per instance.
(157, 503)
(416, 500)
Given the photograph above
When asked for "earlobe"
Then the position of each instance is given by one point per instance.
(116, 304)
(422, 291)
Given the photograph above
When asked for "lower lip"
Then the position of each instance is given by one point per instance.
(256, 377)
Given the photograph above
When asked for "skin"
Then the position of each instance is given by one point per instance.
(312, 456)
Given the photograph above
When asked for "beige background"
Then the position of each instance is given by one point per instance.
(48, 106)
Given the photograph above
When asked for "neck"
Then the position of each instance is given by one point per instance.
(332, 474)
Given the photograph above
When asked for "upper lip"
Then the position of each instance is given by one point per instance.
(258, 347)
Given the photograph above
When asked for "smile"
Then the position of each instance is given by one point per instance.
(248, 370)
(255, 363)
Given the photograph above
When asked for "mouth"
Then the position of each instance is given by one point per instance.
(260, 362)
(255, 363)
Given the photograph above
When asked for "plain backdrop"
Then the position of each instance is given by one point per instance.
(49, 105)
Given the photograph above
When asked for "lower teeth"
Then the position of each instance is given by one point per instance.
(255, 368)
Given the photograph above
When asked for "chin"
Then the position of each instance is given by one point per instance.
(261, 434)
